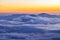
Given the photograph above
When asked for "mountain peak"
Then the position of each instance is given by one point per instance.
(44, 14)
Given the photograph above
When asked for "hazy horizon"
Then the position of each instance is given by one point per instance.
(30, 6)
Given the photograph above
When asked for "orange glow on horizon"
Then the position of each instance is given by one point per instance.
(28, 8)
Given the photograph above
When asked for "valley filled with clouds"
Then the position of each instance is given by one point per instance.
(30, 27)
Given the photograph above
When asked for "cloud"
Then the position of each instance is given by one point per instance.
(37, 19)
(18, 22)
(34, 21)
(29, 36)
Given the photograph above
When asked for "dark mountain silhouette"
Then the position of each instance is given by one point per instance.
(49, 15)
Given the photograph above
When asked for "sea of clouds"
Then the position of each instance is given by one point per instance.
(39, 22)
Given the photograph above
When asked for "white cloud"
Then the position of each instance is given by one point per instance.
(18, 22)
(30, 36)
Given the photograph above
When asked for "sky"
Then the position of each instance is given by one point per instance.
(29, 6)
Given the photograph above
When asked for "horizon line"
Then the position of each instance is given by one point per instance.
(2, 13)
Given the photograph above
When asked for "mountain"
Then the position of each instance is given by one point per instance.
(49, 15)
